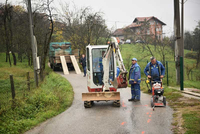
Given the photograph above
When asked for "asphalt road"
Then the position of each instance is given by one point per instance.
(104, 118)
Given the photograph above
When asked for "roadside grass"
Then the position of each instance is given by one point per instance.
(29, 108)
(186, 117)
(192, 122)
(192, 84)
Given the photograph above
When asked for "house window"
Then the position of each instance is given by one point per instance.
(156, 22)
(151, 22)
(157, 36)
(137, 30)
(148, 32)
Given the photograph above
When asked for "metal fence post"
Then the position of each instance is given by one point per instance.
(167, 73)
(181, 73)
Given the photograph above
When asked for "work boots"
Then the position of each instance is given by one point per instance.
(132, 99)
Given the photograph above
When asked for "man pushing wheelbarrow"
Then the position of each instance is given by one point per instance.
(155, 72)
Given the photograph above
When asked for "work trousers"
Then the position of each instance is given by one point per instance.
(84, 69)
(135, 91)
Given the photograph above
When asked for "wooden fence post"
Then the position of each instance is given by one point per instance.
(12, 91)
(12, 86)
(28, 80)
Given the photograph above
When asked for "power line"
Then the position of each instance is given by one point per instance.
(194, 2)
(119, 21)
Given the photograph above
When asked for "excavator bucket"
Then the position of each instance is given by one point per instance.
(100, 96)
(120, 81)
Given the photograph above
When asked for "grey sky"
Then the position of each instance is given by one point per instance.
(120, 13)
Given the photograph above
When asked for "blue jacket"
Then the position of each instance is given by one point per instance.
(154, 70)
(134, 74)
(118, 71)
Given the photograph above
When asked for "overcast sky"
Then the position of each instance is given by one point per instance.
(120, 13)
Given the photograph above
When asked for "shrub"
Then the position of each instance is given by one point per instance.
(191, 55)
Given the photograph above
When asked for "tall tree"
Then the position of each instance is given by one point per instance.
(197, 43)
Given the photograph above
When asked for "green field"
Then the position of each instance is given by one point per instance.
(29, 108)
(135, 50)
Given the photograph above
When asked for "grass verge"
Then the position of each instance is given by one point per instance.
(29, 108)
(53, 96)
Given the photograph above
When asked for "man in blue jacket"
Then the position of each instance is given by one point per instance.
(154, 70)
(134, 80)
(83, 63)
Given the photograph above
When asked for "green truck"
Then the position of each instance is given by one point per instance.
(58, 49)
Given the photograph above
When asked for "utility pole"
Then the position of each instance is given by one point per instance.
(116, 24)
(34, 54)
(177, 39)
(182, 46)
(182, 28)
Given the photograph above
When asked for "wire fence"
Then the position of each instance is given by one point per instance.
(15, 88)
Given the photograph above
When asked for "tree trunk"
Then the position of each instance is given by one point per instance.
(46, 44)
(163, 60)
(6, 57)
(198, 59)
(29, 60)
(14, 58)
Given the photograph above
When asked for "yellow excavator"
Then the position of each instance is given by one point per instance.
(105, 73)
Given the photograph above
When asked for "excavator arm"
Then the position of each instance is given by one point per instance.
(121, 80)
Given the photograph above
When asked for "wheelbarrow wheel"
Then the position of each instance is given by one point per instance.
(164, 101)
(152, 104)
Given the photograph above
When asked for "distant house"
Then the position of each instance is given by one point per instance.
(155, 28)
(119, 33)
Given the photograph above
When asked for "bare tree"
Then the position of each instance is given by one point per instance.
(163, 48)
(6, 30)
(197, 43)
(146, 37)
(43, 30)
(83, 26)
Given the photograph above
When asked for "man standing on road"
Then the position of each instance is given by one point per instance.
(154, 70)
(83, 63)
(134, 80)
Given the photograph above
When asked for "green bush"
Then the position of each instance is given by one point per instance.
(191, 55)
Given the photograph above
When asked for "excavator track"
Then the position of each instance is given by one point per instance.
(116, 103)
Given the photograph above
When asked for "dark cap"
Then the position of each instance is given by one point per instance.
(151, 58)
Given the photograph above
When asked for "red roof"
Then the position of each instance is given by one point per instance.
(119, 32)
(134, 25)
(140, 19)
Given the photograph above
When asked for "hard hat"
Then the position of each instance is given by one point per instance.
(134, 59)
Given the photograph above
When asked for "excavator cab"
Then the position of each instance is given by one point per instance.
(94, 65)
(97, 66)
